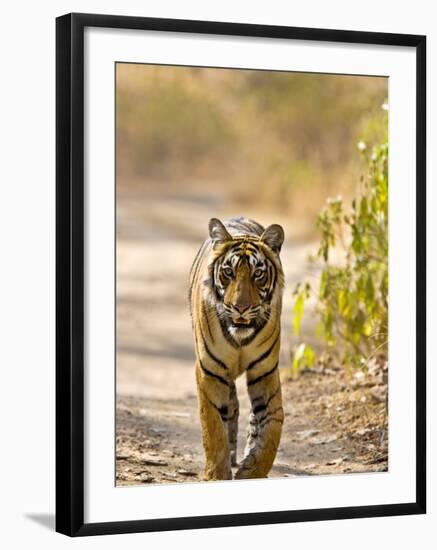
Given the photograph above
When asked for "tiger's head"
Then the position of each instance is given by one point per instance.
(246, 277)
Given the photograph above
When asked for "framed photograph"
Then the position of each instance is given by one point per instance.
(240, 274)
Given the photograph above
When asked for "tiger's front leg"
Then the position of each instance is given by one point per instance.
(265, 425)
(232, 422)
(213, 398)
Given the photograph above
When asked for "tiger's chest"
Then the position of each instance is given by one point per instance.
(262, 349)
(240, 358)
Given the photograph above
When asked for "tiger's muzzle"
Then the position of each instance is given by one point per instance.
(242, 315)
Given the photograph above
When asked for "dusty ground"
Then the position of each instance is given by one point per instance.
(333, 424)
(334, 421)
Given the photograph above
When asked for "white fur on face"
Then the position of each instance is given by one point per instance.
(240, 333)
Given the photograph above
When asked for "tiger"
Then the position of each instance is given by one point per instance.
(235, 292)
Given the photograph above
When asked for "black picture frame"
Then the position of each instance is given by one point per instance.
(70, 272)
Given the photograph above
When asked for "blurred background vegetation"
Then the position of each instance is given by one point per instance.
(277, 141)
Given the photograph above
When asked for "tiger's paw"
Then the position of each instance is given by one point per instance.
(215, 474)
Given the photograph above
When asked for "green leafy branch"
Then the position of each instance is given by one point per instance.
(352, 296)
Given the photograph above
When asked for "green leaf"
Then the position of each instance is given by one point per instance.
(304, 356)
(298, 309)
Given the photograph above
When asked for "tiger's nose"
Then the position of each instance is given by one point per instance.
(241, 308)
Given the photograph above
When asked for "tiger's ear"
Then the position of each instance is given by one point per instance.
(273, 237)
(217, 231)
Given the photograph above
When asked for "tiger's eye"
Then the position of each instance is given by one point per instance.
(228, 272)
(258, 272)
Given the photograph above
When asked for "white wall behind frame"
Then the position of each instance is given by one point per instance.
(27, 277)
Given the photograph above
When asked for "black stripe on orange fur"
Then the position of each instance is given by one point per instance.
(262, 376)
(213, 375)
(263, 355)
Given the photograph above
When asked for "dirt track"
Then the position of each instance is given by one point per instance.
(334, 422)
